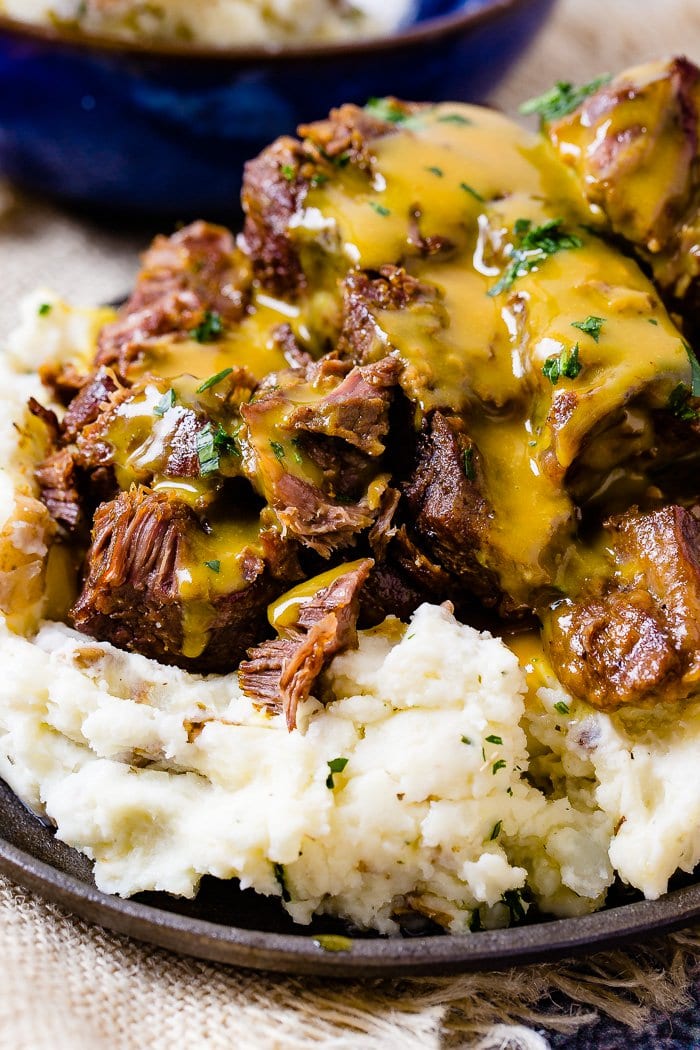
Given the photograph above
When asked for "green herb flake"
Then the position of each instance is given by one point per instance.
(336, 765)
(454, 118)
(496, 830)
(333, 942)
(561, 707)
(214, 564)
(379, 208)
(278, 870)
(212, 443)
(500, 764)
(562, 99)
(318, 179)
(434, 170)
(277, 449)
(470, 189)
(509, 791)
(469, 468)
(652, 320)
(590, 325)
(533, 245)
(45, 309)
(214, 380)
(466, 740)
(566, 364)
(167, 401)
(209, 330)
(493, 739)
(288, 172)
(296, 454)
(386, 109)
(679, 404)
(694, 370)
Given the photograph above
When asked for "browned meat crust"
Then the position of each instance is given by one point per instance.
(449, 514)
(638, 640)
(282, 673)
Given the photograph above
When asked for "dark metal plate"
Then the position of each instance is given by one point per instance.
(228, 925)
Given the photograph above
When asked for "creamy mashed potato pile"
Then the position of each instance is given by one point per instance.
(217, 23)
(442, 778)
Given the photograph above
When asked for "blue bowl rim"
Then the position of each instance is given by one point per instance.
(425, 32)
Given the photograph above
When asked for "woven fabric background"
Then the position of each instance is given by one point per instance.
(68, 986)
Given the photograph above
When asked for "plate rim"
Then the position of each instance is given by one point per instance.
(381, 957)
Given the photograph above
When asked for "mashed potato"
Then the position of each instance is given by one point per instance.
(437, 780)
(218, 23)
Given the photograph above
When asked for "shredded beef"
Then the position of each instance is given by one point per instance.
(196, 271)
(141, 540)
(282, 673)
(58, 487)
(357, 410)
(87, 404)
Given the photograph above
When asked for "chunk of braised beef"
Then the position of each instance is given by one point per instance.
(357, 410)
(282, 673)
(365, 294)
(641, 130)
(277, 181)
(89, 401)
(448, 513)
(186, 278)
(639, 640)
(57, 479)
(320, 522)
(142, 542)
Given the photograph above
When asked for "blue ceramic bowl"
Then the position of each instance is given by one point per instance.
(165, 129)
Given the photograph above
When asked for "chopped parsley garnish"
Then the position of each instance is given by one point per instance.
(590, 325)
(336, 765)
(493, 739)
(561, 707)
(288, 172)
(212, 443)
(214, 564)
(469, 468)
(379, 208)
(466, 740)
(213, 380)
(278, 870)
(509, 791)
(296, 454)
(434, 170)
(534, 245)
(566, 364)
(679, 404)
(496, 830)
(386, 109)
(652, 320)
(167, 401)
(209, 329)
(277, 449)
(44, 309)
(454, 118)
(319, 178)
(694, 370)
(562, 99)
(470, 189)
(501, 764)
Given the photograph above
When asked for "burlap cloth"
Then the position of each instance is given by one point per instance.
(65, 984)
